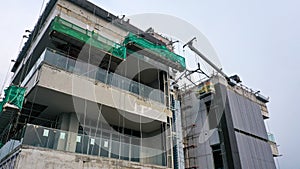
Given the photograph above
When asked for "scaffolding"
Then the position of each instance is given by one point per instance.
(195, 115)
(160, 50)
(190, 145)
(118, 50)
(14, 95)
(65, 27)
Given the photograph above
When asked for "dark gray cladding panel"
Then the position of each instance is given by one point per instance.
(240, 126)
(254, 153)
(240, 113)
(227, 135)
(246, 115)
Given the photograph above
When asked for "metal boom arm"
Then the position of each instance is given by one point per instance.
(190, 45)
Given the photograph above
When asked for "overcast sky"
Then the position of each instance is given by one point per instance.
(258, 40)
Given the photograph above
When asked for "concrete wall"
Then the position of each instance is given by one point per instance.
(34, 44)
(197, 132)
(98, 92)
(88, 20)
(37, 158)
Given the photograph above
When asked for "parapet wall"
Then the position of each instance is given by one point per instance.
(37, 158)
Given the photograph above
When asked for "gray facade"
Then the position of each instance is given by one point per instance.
(101, 93)
(93, 88)
(250, 134)
(224, 129)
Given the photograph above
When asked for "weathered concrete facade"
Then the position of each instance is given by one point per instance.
(38, 158)
(95, 86)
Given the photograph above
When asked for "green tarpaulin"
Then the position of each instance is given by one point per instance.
(89, 37)
(158, 49)
(13, 95)
(117, 50)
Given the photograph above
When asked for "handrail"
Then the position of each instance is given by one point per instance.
(98, 145)
(89, 37)
(157, 49)
(65, 62)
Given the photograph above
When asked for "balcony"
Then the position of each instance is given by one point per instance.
(264, 110)
(274, 147)
(63, 62)
(103, 145)
(60, 28)
(154, 51)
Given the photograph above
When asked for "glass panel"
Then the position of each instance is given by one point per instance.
(49, 57)
(106, 145)
(79, 143)
(271, 137)
(134, 87)
(115, 146)
(70, 65)
(135, 153)
(152, 156)
(125, 148)
(85, 144)
(63, 62)
(100, 75)
(94, 147)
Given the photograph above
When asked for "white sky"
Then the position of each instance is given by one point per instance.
(259, 40)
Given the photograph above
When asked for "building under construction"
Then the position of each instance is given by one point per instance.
(224, 127)
(90, 90)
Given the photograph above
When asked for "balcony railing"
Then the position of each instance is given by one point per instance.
(274, 146)
(63, 62)
(101, 145)
(90, 37)
(159, 50)
(271, 137)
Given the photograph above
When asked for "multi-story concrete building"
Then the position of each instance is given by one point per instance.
(90, 90)
(224, 127)
(96, 94)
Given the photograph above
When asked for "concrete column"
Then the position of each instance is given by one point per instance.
(67, 140)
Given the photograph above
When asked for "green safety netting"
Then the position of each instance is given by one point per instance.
(90, 37)
(13, 95)
(98, 41)
(158, 49)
